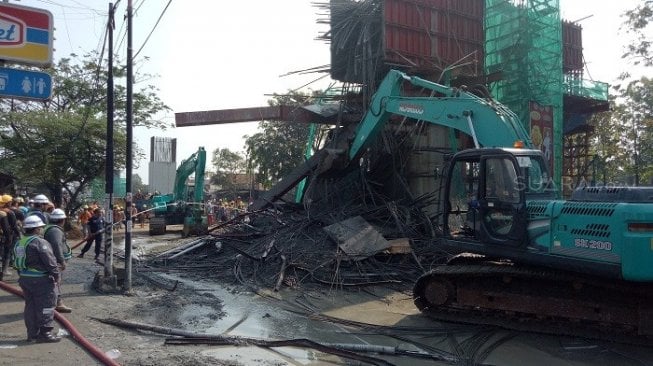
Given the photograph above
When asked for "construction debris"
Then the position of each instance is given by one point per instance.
(357, 238)
(339, 240)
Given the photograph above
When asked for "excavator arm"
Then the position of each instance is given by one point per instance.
(173, 208)
(488, 122)
(196, 163)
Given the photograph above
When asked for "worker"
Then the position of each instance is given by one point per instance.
(6, 241)
(83, 219)
(40, 202)
(23, 206)
(16, 207)
(39, 273)
(14, 230)
(133, 215)
(96, 228)
(55, 235)
(118, 217)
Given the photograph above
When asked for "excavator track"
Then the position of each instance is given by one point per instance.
(538, 300)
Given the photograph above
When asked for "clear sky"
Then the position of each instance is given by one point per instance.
(212, 54)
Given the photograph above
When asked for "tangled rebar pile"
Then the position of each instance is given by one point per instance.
(355, 38)
(288, 246)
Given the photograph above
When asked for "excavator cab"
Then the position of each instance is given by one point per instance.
(486, 192)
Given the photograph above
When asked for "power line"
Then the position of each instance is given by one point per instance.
(153, 28)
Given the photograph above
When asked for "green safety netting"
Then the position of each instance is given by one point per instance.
(523, 41)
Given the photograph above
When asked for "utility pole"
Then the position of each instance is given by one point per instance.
(128, 165)
(108, 239)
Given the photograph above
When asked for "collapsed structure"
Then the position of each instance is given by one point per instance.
(382, 188)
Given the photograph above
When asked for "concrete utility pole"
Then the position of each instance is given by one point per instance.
(108, 239)
(128, 165)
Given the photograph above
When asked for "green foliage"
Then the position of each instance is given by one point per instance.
(226, 163)
(635, 114)
(138, 185)
(60, 144)
(623, 138)
(279, 147)
(55, 150)
(638, 21)
(608, 161)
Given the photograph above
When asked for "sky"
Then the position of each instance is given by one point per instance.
(209, 54)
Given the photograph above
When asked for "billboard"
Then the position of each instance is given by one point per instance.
(25, 35)
(541, 118)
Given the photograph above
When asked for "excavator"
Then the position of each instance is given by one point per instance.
(184, 206)
(521, 257)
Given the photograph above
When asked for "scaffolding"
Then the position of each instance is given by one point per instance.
(523, 42)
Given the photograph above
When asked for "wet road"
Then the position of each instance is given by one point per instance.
(345, 317)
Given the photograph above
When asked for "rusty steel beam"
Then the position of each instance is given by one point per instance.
(276, 113)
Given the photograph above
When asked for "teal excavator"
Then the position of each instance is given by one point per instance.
(186, 205)
(521, 257)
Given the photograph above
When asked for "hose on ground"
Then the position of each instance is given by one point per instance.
(77, 336)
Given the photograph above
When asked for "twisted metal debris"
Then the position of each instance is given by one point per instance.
(287, 246)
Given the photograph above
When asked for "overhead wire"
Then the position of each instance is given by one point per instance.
(66, 11)
(153, 28)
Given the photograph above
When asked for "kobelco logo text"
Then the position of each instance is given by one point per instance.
(411, 108)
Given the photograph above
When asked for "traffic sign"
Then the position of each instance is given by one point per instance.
(25, 35)
(23, 84)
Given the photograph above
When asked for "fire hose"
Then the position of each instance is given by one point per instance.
(77, 336)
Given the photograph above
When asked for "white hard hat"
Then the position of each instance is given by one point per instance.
(57, 214)
(33, 221)
(41, 198)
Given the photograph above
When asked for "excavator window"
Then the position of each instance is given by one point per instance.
(501, 180)
(463, 197)
(537, 180)
(500, 194)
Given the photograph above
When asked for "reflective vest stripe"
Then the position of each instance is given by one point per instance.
(20, 257)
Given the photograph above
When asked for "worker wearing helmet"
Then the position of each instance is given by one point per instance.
(83, 217)
(40, 202)
(55, 235)
(17, 209)
(39, 273)
(12, 235)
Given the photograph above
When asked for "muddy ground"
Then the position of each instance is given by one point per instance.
(207, 303)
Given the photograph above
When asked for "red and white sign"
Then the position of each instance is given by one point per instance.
(25, 35)
(12, 31)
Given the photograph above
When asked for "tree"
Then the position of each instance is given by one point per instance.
(638, 21)
(608, 160)
(280, 146)
(227, 163)
(138, 185)
(635, 114)
(60, 144)
(58, 151)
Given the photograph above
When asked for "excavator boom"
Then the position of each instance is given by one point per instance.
(489, 123)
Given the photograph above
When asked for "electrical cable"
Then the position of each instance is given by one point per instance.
(153, 28)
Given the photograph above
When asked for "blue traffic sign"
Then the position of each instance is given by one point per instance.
(23, 84)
